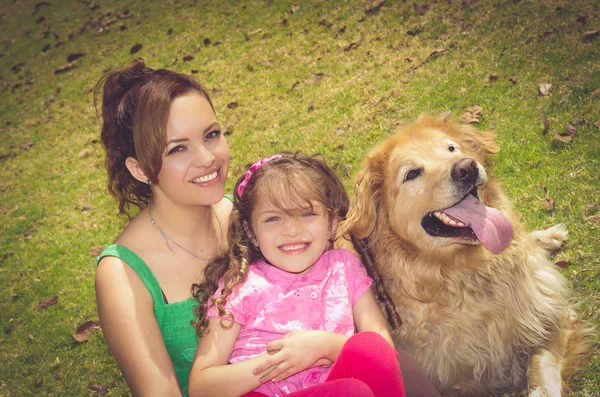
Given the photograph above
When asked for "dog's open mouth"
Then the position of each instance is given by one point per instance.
(470, 220)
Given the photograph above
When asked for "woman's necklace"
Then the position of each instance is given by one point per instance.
(167, 238)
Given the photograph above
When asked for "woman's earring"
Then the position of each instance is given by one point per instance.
(149, 182)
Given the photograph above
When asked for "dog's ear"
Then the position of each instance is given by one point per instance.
(479, 141)
(362, 215)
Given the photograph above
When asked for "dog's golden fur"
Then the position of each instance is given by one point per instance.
(479, 323)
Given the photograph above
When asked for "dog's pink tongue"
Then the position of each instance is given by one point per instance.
(490, 226)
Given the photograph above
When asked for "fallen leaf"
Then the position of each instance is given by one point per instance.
(135, 48)
(561, 138)
(96, 250)
(228, 129)
(17, 67)
(549, 204)
(194, 71)
(170, 31)
(295, 8)
(26, 146)
(86, 208)
(207, 41)
(590, 34)
(73, 57)
(43, 35)
(310, 107)
(188, 58)
(46, 48)
(571, 130)
(39, 5)
(65, 68)
(493, 78)
(48, 302)
(563, 264)
(255, 32)
(597, 123)
(473, 115)
(124, 14)
(84, 153)
(29, 233)
(581, 19)
(323, 18)
(421, 10)
(374, 6)
(39, 382)
(546, 124)
(543, 89)
(316, 78)
(100, 389)
(85, 330)
(40, 20)
(284, 21)
(512, 80)
(232, 105)
(339, 131)
(354, 44)
(296, 86)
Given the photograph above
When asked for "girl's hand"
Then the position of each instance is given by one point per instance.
(295, 352)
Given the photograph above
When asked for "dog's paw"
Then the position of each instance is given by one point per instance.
(551, 239)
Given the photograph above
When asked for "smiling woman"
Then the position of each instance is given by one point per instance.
(164, 153)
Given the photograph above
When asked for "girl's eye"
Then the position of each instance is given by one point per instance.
(176, 149)
(412, 174)
(272, 219)
(309, 213)
(212, 135)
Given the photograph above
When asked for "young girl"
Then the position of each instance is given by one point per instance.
(281, 285)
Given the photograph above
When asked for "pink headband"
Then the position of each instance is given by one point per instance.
(253, 168)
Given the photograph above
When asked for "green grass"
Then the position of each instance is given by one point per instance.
(389, 76)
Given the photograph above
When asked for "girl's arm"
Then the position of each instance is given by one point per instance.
(369, 317)
(212, 375)
(127, 318)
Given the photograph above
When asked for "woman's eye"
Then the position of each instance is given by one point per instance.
(412, 174)
(212, 135)
(176, 149)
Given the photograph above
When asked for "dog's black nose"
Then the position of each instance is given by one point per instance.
(465, 170)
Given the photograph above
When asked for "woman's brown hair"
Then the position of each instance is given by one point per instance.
(293, 181)
(135, 107)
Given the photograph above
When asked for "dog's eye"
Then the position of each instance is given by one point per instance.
(412, 174)
(451, 148)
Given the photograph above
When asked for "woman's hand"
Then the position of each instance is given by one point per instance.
(298, 351)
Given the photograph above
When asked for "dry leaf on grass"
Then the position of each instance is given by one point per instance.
(85, 330)
(48, 302)
(473, 115)
(563, 264)
(374, 6)
(549, 204)
(96, 250)
(100, 389)
(544, 89)
(135, 48)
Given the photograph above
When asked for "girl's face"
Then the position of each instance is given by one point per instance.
(292, 243)
(195, 162)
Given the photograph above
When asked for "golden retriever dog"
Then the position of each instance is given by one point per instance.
(483, 309)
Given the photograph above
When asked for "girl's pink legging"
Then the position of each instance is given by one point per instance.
(366, 366)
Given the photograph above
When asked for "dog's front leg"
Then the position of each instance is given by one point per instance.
(544, 372)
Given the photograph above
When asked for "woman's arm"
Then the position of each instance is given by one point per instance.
(127, 318)
(369, 317)
(212, 375)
